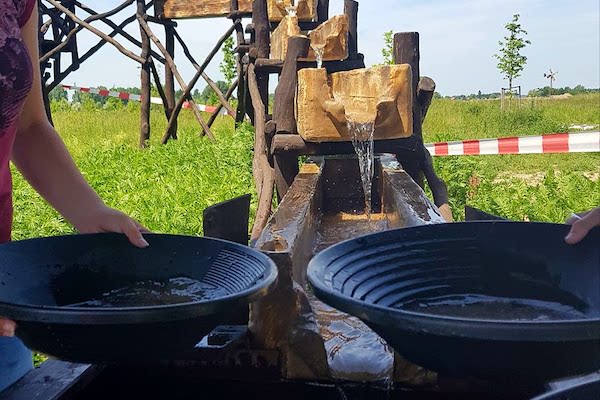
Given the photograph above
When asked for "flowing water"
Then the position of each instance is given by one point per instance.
(362, 140)
(319, 50)
(292, 10)
(155, 293)
(493, 308)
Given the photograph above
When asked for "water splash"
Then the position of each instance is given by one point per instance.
(319, 50)
(362, 140)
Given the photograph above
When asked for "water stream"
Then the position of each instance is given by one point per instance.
(362, 140)
(319, 50)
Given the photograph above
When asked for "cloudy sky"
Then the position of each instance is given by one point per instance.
(458, 40)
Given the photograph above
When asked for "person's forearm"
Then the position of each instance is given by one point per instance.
(42, 158)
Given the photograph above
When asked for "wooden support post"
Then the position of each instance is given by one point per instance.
(169, 79)
(264, 175)
(286, 170)
(351, 10)
(285, 94)
(241, 93)
(406, 51)
(425, 92)
(322, 10)
(262, 31)
(286, 166)
(145, 79)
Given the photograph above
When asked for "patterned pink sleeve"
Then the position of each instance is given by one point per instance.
(26, 14)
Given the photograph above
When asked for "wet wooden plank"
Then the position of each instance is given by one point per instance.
(53, 380)
(175, 9)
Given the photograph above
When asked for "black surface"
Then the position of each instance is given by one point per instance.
(228, 220)
(364, 276)
(38, 276)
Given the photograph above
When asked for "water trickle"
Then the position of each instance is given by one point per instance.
(362, 140)
(319, 50)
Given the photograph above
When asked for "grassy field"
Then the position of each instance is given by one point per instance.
(167, 187)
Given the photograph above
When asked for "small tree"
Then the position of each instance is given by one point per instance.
(228, 65)
(511, 61)
(388, 49)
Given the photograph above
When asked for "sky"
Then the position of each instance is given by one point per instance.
(458, 40)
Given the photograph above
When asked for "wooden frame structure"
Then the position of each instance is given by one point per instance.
(277, 145)
(59, 20)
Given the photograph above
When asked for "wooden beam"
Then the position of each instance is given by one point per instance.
(175, 9)
(272, 66)
(145, 80)
(407, 149)
(262, 43)
(351, 10)
(285, 94)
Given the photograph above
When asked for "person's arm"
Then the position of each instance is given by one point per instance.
(42, 158)
(582, 225)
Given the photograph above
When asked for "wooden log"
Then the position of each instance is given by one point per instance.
(97, 32)
(262, 43)
(285, 94)
(241, 93)
(406, 51)
(351, 10)
(294, 145)
(175, 9)
(145, 80)
(264, 175)
(159, 87)
(322, 10)
(425, 92)
(188, 89)
(170, 79)
(276, 66)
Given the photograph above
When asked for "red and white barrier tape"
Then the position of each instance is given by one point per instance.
(585, 142)
(137, 97)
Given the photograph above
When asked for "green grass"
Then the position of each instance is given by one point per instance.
(164, 187)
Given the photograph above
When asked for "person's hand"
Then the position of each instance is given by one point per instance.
(7, 327)
(582, 224)
(105, 219)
